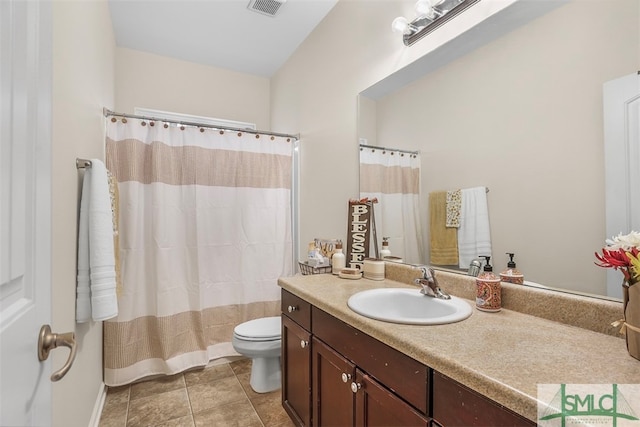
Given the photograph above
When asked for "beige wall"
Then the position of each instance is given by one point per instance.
(314, 93)
(523, 116)
(83, 57)
(151, 81)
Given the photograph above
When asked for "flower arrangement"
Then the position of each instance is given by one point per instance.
(622, 253)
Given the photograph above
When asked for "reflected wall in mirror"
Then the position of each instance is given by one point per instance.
(523, 116)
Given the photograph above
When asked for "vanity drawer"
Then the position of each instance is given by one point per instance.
(296, 309)
(405, 376)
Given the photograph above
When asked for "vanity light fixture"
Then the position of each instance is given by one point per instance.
(430, 15)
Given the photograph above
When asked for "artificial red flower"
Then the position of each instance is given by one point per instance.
(621, 254)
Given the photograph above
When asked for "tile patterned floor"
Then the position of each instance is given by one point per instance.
(219, 395)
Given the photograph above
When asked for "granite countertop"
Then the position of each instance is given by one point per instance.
(501, 355)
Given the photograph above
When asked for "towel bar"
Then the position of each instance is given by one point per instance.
(82, 163)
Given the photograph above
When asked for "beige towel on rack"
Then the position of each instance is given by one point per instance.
(444, 241)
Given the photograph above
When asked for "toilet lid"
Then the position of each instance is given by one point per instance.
(265, 328)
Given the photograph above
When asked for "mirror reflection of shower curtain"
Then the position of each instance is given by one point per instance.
(205, 231)
(393, 178)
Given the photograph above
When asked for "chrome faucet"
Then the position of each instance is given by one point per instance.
(429, 284)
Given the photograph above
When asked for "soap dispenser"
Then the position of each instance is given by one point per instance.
(385, 251)
(338, 260)
(512, 274)
(488, 289)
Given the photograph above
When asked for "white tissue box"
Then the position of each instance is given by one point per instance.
(315, 262)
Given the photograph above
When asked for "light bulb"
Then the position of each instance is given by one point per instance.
(400, 25)
(425, 8)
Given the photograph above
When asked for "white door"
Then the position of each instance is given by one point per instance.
(621, 99)
(25, 210)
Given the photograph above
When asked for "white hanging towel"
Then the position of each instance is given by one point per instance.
(96, 296)
(474, 234)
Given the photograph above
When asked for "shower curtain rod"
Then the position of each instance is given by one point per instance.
(390, 149)
(108, 113)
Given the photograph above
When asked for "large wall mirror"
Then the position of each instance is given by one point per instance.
(523, 116)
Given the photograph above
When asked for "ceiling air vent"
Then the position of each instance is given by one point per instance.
(266, 7)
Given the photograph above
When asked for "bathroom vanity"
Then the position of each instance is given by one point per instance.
(340, 368)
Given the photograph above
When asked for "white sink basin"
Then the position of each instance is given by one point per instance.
(408, 306)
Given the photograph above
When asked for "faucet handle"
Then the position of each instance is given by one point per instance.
(432, 276)
(426, 271)
(429, 283)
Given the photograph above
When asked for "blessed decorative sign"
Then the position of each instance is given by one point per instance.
(360, 226)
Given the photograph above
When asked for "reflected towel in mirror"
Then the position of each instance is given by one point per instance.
(474, 233)
(443, 240)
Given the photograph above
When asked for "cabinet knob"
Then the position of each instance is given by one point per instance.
(292, 308)
(304, 344)
(355, 387)
(345, 377)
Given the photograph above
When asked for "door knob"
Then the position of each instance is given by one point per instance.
(345, 377)
(355, 387)
(304, 343)
(47, 341)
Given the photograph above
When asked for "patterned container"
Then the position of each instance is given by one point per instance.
(512, 276)
(489, 292)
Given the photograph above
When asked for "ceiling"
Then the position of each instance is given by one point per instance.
(220, 33)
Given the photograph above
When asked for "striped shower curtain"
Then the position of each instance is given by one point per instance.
(205, 230)
(393, 177)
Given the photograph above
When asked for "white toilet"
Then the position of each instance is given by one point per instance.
(260, 339)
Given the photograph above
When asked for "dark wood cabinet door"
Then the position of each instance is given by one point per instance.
(332, 395)
(296, 372)
(378, 407)
(456, 405)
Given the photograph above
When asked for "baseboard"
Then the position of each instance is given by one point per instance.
(97, 407)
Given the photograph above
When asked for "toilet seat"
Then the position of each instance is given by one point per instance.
(263, 329)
